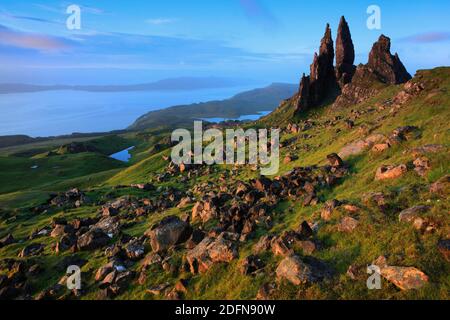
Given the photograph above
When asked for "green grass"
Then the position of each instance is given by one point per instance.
(378, 233)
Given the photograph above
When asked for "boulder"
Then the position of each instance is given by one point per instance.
(405, 278)
(109, 225)
(93, 239)
(263, 244)
(335, 160)
(251, 264)
(357, 147)
(7, 240)
(441, 187)
(390, 172)
(204, 211)
(380, 147)
(328, 209)
(411, 214)
(294, 270)
(135, 250)
(426, 149)
(31, 250)
(211, 251)
(444, 248)
(60, 230)
(348, 224)
(168, 232)
(422, 165)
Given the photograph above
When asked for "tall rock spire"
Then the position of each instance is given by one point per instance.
(345, 54)
(322, 81)
(388, 68)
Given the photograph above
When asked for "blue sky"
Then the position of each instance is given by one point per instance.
(265, 40)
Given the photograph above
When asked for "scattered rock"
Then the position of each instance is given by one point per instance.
(335, 160)
(444, 248)
(348, 224)
(251, 264)
(210, 251)
(93, 239)
(380, 147)
(7, 240)
(294, 270)
(159, 289)
(169, 232)
(422, 165)
(31, 250)
(441, 187)
(390, 172)
(411, 214)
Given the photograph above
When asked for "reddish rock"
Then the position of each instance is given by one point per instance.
(168, 232)
(294, 270)
(441, 187)
(388, 68)
(390, 172)
(348, 224)
(345, 54)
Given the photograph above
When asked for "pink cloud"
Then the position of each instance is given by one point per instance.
(429, 37)
(33, 41)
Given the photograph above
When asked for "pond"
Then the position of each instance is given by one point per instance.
(123, 155)
(249, 117)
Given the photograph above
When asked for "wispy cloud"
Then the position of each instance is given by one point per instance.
(7, 15)
(62, 9)
(257, 13)
(39, 42)
(160, 21)
(428, 37)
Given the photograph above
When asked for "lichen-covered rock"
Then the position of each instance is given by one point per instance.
(170, 231)
(390, 172)
(294, 270)
(212, 250)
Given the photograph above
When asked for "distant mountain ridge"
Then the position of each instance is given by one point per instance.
(170, 84)
(245, 103)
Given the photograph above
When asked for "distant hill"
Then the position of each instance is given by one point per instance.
(171, 84)
(245, 103)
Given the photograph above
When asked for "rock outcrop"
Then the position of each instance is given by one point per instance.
(345, 54)
(388, 68)
(346, 83)
(322, 81)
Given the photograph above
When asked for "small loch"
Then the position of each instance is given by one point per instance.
(123, 155)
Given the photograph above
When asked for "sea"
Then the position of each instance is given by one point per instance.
(52, 113)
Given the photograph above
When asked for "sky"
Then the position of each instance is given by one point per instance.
(123, 42)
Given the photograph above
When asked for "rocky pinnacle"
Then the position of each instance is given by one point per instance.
(345, 53)
(388, 68)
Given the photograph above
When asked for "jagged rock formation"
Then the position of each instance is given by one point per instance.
(322, 81)
(345, 54)
(347, 83)
(386, 66)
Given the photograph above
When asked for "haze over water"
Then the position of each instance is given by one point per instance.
(53, 113)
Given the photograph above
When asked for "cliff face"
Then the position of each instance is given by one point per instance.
(351, 84)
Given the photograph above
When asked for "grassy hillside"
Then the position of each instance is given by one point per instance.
(378, 232)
